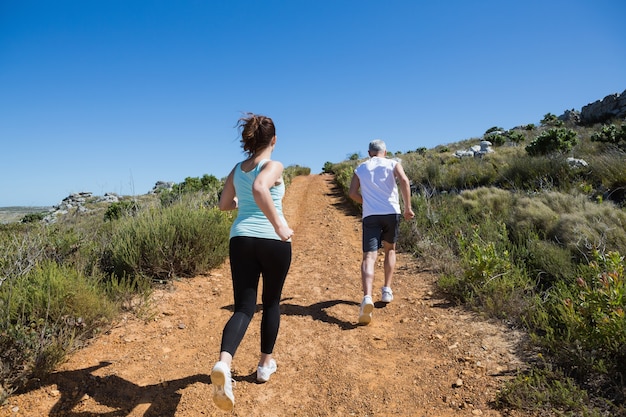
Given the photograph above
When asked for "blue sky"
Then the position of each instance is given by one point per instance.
(115, 95)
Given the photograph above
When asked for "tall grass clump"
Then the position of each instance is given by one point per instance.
(45, 312)
(537, 173)
(491, 280)
(582, 324)
(547, 391)
(180, 240)
(607, 177)
(292, 171)
(207, 186)
(438, 250)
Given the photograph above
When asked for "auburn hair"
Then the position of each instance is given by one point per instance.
(257, 132)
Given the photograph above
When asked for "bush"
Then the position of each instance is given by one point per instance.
(548, 262)
(583, 326)
(545, 389)
(119, 209)
(33, 217)
(46, 312)
(537, 173)
(328, 168)
(611, 134)
(292, 171)
(551, 141)
(607, 176)
(592, 313)
(208, 186)
(550, 119)
(490, 280)
(496, 138)
(181, 240)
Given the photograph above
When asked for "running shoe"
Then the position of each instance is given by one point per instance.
(263, 373)
(387, 295)
(222, 386)
(365, 312)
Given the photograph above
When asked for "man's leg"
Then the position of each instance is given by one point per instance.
(367, 272)
(367, 281)
(390, 262)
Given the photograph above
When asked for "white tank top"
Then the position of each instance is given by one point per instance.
(378, 186)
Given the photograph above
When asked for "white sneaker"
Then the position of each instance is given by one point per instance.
(387, 296)
(263, 373)
(222, 387)
(365, 312)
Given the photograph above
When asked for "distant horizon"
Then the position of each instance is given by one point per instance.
(104, 96)
(312, 171)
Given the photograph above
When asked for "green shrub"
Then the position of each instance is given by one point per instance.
(496, 139)
(607, 176)
(515, 136)
(425, 236)
(494, 129)
(343, 175)
(61, 295)
(45, 312)
(181, 240)
(550, 119)
(33, 217)
(535, 174)
(611, 134)
(490, 280)
(328, 168)
(548, 262)
(119, 209)
(551, 141)
(583, 326)
(292, 171)
(592, 311)
(130, 294)
(486, 202)
(540, 389)
(208, 186)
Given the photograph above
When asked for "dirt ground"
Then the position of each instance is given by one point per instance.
(420, 356)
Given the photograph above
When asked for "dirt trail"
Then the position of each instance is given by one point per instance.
(419, 356)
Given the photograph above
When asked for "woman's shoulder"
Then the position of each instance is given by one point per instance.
(270, 163)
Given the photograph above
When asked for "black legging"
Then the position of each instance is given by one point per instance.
(250, 258)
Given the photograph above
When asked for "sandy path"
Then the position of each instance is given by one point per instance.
(407, 362)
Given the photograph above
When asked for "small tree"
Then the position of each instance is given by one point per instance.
(551, 141)
(550, 119)
(611, 134)
(494, 129)
(328, 167)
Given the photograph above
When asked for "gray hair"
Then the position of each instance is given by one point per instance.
(377, 145)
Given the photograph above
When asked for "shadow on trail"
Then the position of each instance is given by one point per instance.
(345, 205)
(118, 395)
(317, 311)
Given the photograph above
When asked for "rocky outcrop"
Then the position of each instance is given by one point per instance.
(611, 106)
(161, 186)
(77, 201)
(476, 151)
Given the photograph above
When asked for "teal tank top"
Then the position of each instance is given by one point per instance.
(250, 219)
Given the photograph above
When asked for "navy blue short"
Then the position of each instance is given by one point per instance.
(377, 228)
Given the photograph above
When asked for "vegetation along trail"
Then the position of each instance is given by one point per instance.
(420, 356)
